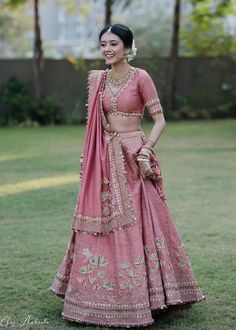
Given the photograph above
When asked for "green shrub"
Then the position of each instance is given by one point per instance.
(19, 107)
(48, 111)
(16, 102)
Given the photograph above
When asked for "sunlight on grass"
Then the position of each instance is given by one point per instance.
(13, 157)
(19, 187)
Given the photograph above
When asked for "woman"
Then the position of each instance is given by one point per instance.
(125, 258)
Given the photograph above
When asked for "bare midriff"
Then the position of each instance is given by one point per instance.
(124, 124)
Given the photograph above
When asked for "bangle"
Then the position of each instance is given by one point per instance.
(146, 151)
(144, 155)
(146, 147)
(142, 160)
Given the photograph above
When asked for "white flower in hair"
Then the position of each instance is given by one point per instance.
(132, 52)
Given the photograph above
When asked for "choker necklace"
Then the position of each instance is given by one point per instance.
(122, 79)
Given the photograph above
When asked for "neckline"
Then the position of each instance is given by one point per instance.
(118, 81)
(114, 97)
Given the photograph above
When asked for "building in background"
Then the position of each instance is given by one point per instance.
(75, 33)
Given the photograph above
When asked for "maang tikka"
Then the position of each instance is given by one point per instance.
(109, 30)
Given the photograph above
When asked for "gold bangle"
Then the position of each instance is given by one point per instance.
(148, 148)
(143, 154)
(142, 160)
(145, 151)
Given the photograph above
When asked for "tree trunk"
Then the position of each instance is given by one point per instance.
(171, 78)
(38, 52)
(108, 14)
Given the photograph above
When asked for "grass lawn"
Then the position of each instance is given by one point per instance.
(39, 174)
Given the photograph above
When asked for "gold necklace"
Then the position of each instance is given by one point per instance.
(122, 79)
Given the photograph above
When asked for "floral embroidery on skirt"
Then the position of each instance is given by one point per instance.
(120, 278)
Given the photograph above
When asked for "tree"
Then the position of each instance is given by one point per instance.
(13, 25)
(108, 11)
(205, 33)
(171, 78)
(38, 62)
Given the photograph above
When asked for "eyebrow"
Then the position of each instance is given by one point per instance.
(109, 40)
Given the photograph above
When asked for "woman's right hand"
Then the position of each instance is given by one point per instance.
(146, 170)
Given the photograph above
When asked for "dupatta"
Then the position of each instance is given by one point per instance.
(104, 201)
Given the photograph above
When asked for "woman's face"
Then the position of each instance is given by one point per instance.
(112, 48)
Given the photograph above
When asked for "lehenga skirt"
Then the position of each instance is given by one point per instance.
(121, 278)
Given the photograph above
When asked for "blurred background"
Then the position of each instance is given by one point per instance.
(47, 48)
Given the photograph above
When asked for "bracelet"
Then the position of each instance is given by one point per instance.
(146, 147)
(146, 152)
(143, 155)
(142, 160)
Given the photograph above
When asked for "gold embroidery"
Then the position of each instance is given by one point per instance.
(125, 265)
(98, 261)
(119, 211)
(131, 274)
(106, 197)
(94, 262)
(86, 269)
(125, 114)
(108, 285)
(80, 279)
(114, 95)
(156, 110)
(140, 261)
(152, 102)
(105, 180)
(71, 289)
(92, 279)
(100, 274)
(160, 243)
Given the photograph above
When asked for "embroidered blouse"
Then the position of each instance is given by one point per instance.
(130, 101)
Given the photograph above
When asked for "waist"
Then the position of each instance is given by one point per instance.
(124, 113)
(124, 135)
(131, 134)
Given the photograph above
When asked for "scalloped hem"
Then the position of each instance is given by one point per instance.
(178, 305)
(117, 325)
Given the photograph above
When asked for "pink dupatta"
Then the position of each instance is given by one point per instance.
(104, 201)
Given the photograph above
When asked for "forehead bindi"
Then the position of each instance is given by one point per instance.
(111, 37)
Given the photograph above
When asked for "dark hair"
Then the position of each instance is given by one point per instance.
(122, 31)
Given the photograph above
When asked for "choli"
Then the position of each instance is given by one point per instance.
(131, 96)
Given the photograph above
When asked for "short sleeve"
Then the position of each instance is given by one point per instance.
(149, 93)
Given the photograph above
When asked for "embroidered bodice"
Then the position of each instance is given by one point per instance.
(130, 99)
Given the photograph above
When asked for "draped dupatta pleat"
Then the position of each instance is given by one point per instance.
(104, 201)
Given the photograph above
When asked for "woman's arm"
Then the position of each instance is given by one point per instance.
(157, 129)
(153, 105)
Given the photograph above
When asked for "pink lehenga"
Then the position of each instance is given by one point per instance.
(125, 258)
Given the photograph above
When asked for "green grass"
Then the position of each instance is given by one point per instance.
(198, 163)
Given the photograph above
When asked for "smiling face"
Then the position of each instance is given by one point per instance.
(112, 48)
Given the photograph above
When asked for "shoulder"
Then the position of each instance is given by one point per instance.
(143, 77)
(95, 73)
(93, 77)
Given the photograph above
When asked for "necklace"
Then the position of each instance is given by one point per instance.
(114, 91)
(122, 79)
